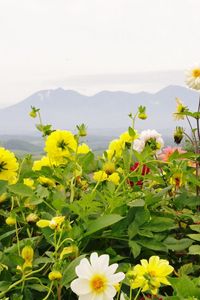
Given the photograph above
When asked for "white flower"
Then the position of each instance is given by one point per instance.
(138, 145)
(151, 138)
(96, 279)
(193, 78)
(122, 296)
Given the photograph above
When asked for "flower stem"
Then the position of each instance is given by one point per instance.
(137, 294)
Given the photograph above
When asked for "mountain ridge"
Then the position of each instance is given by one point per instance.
(103, 110)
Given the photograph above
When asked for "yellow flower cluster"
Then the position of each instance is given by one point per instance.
(8, 166)
(108, 173)
(116, 146)
(149, 275)
(60, 146)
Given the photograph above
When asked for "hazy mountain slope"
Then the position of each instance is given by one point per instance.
(65, 109)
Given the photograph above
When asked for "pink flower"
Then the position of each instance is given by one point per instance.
(168, 151)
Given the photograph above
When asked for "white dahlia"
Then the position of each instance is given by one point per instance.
(96, 279)
(193, 78)
(149, 138)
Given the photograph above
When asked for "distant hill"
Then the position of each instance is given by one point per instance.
(105, 113)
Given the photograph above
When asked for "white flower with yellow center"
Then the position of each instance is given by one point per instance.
(193, 78)
(150, 138)
(96, 279)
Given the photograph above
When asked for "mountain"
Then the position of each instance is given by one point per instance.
(105, 113)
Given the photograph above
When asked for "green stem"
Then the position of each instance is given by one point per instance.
(137, 294)
(130, 295)
(49, 292)
(17, 236)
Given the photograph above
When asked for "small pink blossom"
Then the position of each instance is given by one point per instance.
(168, 151)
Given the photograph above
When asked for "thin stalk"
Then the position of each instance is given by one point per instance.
(49, 292)
(137, 294)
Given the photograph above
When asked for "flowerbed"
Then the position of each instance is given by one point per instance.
(125, 225)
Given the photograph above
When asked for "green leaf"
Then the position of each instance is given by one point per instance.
(132, 230)
(152, 244)
(177, 245)
(21, 189)
(159, 224)
(69, 272)
(194, 250)
(184, 287)
(195, 227)
(6, 234)
(101, 223)
(137, 203)
(135, 248)
(195, 236)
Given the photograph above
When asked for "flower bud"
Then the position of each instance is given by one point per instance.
(10, 221)
(178, 134)
(142, 112)
(27, 254)
(82, 130)
(55, 275)
(32, 218)
(3, 197)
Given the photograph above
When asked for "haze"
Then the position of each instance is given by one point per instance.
(93, 45)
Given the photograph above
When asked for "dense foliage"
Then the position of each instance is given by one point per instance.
(137, 205)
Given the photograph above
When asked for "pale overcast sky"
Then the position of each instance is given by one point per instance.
(91, 45)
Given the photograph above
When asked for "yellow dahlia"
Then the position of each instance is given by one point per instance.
(149, 275)
(8, 166)
(83, 149)
(43, 162)
(60, 143)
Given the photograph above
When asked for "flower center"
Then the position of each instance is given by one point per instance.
(98, 283)
(152, 143)
(109, 168)
(196, 73)
(61, 144)
(2, 166)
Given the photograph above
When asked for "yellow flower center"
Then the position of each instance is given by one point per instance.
(98, 283)
(196, 73)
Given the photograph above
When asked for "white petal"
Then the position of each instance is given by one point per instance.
(103, 261)
(86, 297)
(80, 286)
(93, 260)
(111, 269)
(110, 291)
(84, 269)
(115, 278)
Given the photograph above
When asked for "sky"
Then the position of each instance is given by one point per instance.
(93, 45)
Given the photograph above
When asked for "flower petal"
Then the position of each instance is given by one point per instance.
(80, 286)
(84, 269)
(115, 278)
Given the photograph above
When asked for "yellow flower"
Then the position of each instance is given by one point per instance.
(43, 162)
(100, 176)
(47, 182)
(29, 182)
(69, 250)
(115, 148)
(10, 221)
(83, 149)
(60, 143)
(180, 109)
(126, 138)
(150, 275)
(54, 223)
(8, 166)
(109, 167)
(114, 177)
(55, 275)
(27, 254)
